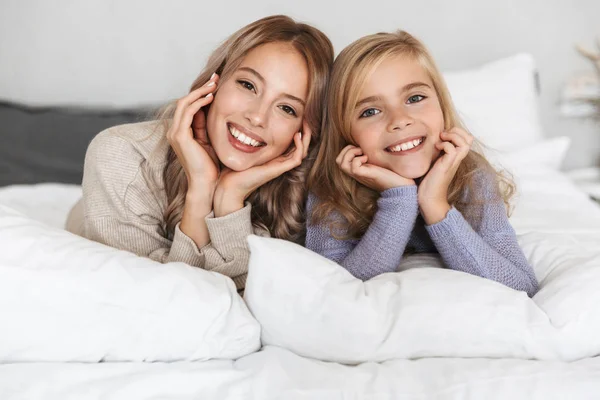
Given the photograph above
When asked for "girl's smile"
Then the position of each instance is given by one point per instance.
(406, 146)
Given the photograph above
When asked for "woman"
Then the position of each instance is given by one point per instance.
(224, 162)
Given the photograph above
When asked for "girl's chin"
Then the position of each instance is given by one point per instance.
(411, 173)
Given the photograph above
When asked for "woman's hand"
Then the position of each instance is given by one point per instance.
(188, 138)
(234, 187)
(433, 189)
(352, 162)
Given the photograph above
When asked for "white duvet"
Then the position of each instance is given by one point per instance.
(65, 298)
(423, 333)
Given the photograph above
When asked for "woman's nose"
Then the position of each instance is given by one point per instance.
(256, 114)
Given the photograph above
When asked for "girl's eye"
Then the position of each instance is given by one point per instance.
(247, 85)
(415, 99)
(369, 112)
(288, 110)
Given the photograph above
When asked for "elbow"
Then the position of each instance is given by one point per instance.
(532, 287)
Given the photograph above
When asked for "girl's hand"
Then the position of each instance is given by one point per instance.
(234, 187)
(433, 189)
(188, 138)
(352, 162)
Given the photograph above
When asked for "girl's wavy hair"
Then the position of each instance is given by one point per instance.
(355, 203)
(279, 204)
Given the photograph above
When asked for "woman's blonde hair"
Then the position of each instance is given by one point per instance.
(279, 204)
(338, 192)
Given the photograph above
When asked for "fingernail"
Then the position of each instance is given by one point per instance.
(213, 75)
(208, 95)
(300, 133)
(212, 83)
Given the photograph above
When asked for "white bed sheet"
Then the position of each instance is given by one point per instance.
(46, 202)
(276, 373)
(549, 202)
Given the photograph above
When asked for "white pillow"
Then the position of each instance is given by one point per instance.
(65, 298)
(549, 153)
(315, 308)
(498, 101)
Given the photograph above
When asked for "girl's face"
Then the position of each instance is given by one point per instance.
(398, 119)
(257, 111)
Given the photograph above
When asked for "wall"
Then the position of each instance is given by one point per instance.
(131, 52)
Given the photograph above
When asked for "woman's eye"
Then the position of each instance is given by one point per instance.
(415, 99)
(288, 110)
(369, 112)
(247, 85)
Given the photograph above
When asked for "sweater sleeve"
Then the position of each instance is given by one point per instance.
(490, 251)
(121, 210)
(381, 247)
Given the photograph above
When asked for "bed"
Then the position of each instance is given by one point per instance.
(83, 321)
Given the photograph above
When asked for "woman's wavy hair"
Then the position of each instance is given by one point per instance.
(338, 193)
(278, 205)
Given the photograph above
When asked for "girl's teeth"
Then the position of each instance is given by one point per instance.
(406, 145)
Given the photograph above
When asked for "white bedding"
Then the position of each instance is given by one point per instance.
(46, 202)
(550, 210)
(65, 298)
(310, 305)
(275, 373)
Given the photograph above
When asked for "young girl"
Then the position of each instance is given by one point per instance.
(396, 173)
(225, 162)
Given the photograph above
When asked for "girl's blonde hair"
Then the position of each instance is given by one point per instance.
(338, 192)
(279, 204)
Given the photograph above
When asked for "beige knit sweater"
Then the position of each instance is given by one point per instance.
(123, 206)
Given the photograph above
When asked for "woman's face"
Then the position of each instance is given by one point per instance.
(257, 111)
(398, 118)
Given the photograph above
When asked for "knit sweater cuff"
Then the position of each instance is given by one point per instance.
(407, 191)
(184, 249)
(453, 222)
(230, 231)
(397, 203)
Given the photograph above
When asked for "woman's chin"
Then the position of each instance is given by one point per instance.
(235, 164)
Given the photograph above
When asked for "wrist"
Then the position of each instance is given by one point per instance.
(398, 181)
(399, 185)
(434, 211)
(199, 186)
(226, 202)
(201, 199)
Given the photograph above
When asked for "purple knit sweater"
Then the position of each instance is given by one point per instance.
(489, 250)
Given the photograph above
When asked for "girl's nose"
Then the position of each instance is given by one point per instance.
(400, 120)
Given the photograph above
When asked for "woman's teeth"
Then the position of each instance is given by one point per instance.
(240, 137)
(406, 145)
